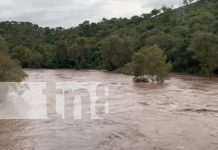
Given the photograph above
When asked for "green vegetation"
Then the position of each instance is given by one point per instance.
(150, 64)
(116, 51)
(10, 71)
(205, 49)
(186, 37)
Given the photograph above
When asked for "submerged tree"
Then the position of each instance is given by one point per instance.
(205, 49)
(150, 63)
(139, 66)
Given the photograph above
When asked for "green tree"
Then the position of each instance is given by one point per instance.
(10, 70)
(61, 53)
(116, 51)
(35, 60)
(80, 52)
(205, 49)
(139, 66)
(28, 58)
(164, 41)
(21, 54)
(150, 63)
(47, 52)
(187, 2)
(155, 12)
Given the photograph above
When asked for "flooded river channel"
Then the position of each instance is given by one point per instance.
(116, 113)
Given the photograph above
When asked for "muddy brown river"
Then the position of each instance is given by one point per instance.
(182, 114)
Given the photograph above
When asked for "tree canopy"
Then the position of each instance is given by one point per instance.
(10, 71)
(205, 49)
(150, 64)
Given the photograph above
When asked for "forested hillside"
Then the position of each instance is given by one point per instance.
(10, 70)
(188, 37)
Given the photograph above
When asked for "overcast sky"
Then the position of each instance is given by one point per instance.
(68, 13)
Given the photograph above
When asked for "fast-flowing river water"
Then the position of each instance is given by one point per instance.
(181, 114)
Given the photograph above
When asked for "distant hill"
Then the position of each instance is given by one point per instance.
(84, 46)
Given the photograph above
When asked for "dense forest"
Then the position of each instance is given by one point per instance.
(187, 37)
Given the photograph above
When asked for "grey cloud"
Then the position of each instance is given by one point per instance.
(69, 13)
